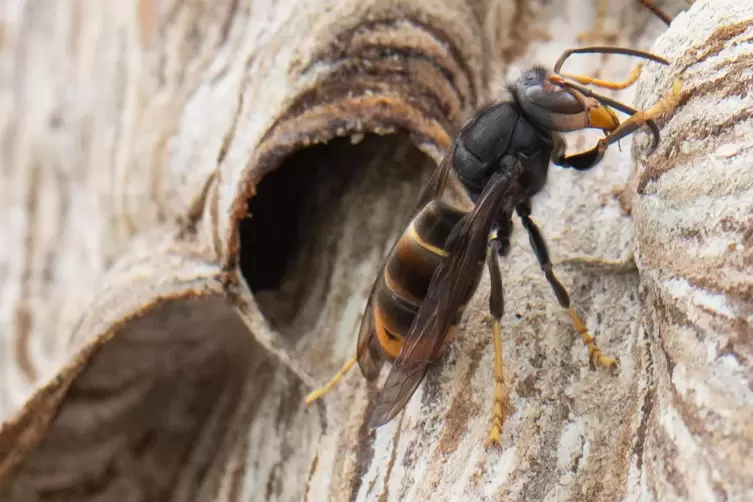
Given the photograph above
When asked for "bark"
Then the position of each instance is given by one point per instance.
(196, 197)
(694, 230)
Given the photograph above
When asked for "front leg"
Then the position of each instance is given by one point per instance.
(638, 118)
(596, 356)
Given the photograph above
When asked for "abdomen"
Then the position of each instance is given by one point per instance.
(408, 272)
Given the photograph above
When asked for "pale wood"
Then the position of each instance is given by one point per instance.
(136, 365)
(694, 228)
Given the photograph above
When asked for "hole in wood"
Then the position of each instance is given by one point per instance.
(320, 226)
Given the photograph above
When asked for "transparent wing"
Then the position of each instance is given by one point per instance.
(369, 358)
(447, 290)
(368, 352)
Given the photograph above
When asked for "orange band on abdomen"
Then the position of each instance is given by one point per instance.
(391, 344)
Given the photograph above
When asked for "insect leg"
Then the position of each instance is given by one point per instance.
(607, 84)
(638, 119)
(649, 4)
(321, 391)
(596, 357)
(497, 247)
(643, 117)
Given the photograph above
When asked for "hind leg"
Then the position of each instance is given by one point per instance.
(595, 355)
(499, 244)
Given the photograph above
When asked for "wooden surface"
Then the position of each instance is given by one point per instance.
(147, 351)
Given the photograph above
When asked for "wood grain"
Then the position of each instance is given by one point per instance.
(194, 200)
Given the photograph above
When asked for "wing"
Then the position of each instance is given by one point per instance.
(447, 289)
(436, 184)
(369, 353)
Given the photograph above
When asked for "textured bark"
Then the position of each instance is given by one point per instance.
(694, 232)
(155, 344)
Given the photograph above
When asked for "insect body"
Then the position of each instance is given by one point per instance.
(404, 283)
(501, 157)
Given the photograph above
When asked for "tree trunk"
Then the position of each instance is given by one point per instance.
(197, 196)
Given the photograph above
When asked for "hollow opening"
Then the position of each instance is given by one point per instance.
(320, 226)
(275, 212)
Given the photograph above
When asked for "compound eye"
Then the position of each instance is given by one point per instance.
(553, 98)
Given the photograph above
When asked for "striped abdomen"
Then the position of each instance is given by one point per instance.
(408, 272)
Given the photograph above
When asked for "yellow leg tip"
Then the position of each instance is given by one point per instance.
(316, 394)
(580, 327)
(500, 392)
(313, 396)
(595, 356)
(608, 363)
(598, 359)
(492, 440)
